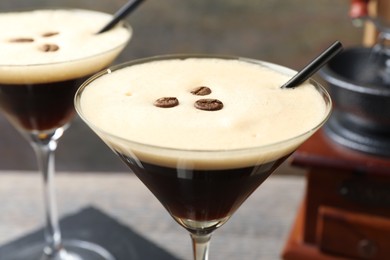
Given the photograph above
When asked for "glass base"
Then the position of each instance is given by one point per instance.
(73, 250)
(201, 227)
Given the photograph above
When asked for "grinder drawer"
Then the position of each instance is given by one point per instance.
(351, 234)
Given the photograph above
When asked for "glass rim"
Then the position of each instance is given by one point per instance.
(123, 23)
(324, 93)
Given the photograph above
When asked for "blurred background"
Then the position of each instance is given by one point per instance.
(287, 32)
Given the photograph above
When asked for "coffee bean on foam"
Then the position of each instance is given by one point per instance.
(209, 104)
(201, 91)
(166, 102)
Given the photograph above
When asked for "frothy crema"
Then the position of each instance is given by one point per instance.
(256, 112)
(56, 45)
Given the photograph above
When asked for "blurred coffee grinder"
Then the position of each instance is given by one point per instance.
(346, 210)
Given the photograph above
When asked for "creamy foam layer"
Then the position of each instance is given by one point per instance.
(255, 113)
(80, 51)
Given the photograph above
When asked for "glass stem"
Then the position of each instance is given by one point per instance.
(45, 146)
(200, 245)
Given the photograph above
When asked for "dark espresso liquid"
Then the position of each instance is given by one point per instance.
(201, 195)
(39, 106)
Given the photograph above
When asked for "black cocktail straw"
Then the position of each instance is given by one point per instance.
(120, 14)
(314, 66)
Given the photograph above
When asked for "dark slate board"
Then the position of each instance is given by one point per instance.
(91, 224)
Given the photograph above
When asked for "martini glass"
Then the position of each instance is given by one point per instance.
(200, 188)
(37, 99)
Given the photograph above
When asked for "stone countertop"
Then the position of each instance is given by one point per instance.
(258, 230)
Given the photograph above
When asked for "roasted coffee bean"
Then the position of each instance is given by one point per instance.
(49, 47)
(209, 104)
(166, 102)
(22, 40)
(201, 91)
(49, 34)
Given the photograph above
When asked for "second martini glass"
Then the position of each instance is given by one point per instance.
(200, 187)
(37, 98)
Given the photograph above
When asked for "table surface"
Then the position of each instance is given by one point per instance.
(258, 230)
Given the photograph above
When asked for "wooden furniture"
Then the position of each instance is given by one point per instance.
(345, 213)
(372, 8)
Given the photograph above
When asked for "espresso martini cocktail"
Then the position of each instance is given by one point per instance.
(45, 55)
(202, 133)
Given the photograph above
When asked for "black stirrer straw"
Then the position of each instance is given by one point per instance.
(120, 14)
(314, 66)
